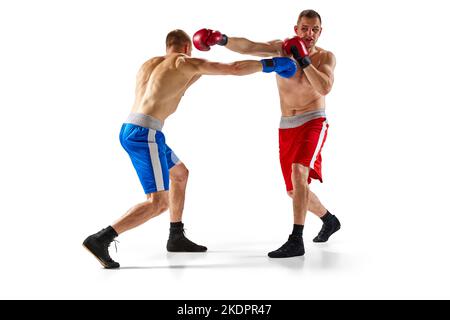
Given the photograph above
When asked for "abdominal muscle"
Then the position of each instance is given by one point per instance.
(297, 96)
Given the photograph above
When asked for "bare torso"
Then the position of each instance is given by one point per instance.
(297, 96)
(160, 85)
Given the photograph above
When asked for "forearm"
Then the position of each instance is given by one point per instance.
(320, 81)
(239, 45)
(245, 46)
(245, 67)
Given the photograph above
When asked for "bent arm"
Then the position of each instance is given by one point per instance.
(259, 49)
(322, 78)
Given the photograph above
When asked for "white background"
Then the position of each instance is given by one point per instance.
(67, 73)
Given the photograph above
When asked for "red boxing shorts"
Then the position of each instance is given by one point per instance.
(301, 140)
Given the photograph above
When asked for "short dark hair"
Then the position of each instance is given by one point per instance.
(177, 38)
(309, 14)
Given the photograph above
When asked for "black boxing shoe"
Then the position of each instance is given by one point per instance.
(328, 228)
(179, 243)
(98, 245)
(292, 248)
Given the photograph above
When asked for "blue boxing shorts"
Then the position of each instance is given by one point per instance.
(142, 139)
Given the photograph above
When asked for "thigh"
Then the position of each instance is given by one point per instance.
(171, 158)
(147, 153)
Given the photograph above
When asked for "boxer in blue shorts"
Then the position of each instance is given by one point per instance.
(152, 158)
(161, 83)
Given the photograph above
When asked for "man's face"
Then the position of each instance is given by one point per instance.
(308, 29)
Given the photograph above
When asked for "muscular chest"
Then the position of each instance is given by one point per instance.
(298, 82)
(298, 85)
(296, 90)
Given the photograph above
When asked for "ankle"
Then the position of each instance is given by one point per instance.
(327, 217)
(298, 230)
(176, 229)
(107, 235)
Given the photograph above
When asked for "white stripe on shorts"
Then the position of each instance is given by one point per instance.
(154, 157)
(319, 144)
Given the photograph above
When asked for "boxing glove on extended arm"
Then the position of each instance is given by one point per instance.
(203, 39)
(283, 66)
(296, 47)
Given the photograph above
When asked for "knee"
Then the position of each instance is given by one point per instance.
(162, 205)
(300, 176)
(159, 202)
(181, 175)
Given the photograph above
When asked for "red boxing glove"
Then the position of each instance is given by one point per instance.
(203, 39)
(296, 47)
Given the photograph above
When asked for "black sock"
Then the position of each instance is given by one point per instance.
(327, 217)
(298, 230)
(106, 235)
(111, 232)
(176, 227)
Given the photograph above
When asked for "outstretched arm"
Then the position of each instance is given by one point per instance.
(283, 66)
(260, 49)
(238, 68)
(203, 39)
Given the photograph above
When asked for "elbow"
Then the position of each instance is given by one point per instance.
(236, 69)
(325, 89)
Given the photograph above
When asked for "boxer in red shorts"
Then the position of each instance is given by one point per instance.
(303, 126)
(301, 139)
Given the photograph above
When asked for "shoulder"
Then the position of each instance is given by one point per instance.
(189, 65)
(187, 61)
(324, 58)
(156, 59)
(153, 61)
(326, 55)
(150, 63)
